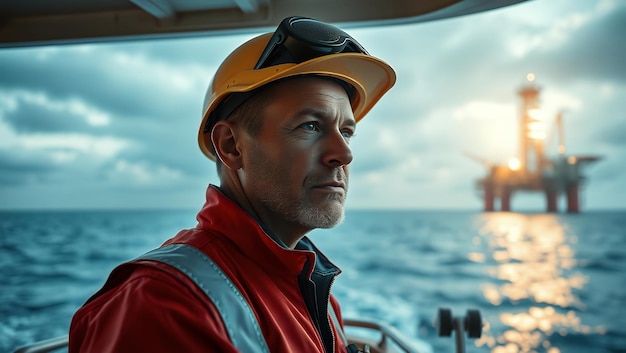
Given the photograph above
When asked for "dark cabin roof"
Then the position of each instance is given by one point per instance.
(45, 22)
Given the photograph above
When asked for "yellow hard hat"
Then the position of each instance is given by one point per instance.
(300, 46)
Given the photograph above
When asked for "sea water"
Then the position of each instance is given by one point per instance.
(542, 282)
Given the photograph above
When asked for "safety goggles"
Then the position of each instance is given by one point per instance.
(298, 39)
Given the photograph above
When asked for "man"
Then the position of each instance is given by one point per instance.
(278, 118)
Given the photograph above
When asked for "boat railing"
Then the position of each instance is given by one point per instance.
(390, 340)
(46, 346)
(387, 335)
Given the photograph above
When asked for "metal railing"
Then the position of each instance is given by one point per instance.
(388, 334)
(45, 346)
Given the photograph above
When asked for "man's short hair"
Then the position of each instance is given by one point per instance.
(249, 115)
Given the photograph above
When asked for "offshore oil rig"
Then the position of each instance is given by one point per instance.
(532, 170)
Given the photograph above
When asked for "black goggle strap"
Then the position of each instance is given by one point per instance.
(226, 107)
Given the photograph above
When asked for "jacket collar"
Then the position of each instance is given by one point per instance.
(223, 216)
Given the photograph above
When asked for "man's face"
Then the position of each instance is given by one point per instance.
(295, 171)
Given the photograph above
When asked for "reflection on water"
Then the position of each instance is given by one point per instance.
(532, 261)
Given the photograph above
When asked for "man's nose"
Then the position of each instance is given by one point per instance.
(337, 150)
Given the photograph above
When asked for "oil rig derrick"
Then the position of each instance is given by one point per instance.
(532, 170)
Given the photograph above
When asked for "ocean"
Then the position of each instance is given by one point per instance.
(542, 282)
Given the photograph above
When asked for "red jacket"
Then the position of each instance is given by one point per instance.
(148, 306)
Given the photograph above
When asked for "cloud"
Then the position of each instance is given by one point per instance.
(109, 80)
(20, 168)
(589, 45)
(102, 90)
(614, 133)
(28, 112)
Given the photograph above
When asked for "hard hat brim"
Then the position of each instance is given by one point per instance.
(370, 77)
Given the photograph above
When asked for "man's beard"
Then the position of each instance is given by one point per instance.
(303, 211)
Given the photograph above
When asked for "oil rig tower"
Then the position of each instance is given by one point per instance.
(532, 170)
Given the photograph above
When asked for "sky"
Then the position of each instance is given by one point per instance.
(114, 125)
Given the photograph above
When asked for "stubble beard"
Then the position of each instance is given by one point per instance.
(303, 211)
(299, 209)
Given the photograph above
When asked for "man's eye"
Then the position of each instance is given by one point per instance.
(347, 133)
(310, 126)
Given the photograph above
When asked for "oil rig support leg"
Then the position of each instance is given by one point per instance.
(489, 198)
(505, 200)
(551, 201)
(572, 198)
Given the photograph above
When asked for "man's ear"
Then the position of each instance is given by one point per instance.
(224, 139)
